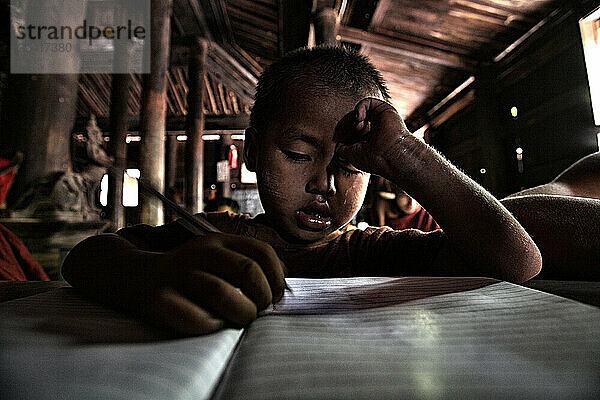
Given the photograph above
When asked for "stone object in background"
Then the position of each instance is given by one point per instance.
(70, 195)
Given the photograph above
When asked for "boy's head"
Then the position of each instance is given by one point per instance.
(306, 192)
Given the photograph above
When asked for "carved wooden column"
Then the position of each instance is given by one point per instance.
(153, 114)
(194, 147)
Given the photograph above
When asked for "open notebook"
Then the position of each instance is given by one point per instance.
(337, 338)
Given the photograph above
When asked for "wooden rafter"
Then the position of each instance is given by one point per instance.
(406, 49)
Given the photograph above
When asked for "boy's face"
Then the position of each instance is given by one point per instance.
(306, 192)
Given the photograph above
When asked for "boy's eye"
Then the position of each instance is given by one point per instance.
(296, 156)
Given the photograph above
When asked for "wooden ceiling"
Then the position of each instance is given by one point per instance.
(424, 48)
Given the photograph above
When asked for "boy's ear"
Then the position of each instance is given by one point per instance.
(251, 149)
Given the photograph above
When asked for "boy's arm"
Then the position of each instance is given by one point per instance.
(483, 237)
(191, 288)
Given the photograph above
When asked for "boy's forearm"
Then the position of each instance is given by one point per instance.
(480, 230)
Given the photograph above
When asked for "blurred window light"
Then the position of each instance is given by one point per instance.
(590, 36)
(181, 138)
(130, 187)
(132, 138)
(514, 112)
(211, 137)
(247, 176)
(104, 190)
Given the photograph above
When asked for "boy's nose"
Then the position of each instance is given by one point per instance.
(322, 182)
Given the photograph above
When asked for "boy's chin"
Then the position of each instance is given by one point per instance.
(299, 235)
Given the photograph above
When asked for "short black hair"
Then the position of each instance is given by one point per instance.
(336, 67)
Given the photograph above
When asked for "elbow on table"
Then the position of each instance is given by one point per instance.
(526, 264)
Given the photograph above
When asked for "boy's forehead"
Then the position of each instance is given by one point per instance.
(304, 111)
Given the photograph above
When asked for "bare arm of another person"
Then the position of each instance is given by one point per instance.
(483, 237)
(190, 286)
(566, 230)
(563, 217)
(582, 179)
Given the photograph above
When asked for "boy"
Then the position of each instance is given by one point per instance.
(319, 126)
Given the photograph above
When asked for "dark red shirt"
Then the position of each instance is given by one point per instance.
(420, 220)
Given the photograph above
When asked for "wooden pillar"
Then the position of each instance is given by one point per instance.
(171, 164)
(119, 125)
(154, 110)
(39, 109)
(226, 185)
(119, 120)
(326, 26)
(194, 147)
(171, 174)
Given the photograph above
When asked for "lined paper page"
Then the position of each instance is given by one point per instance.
(323, 296)
(60, 345)
(493, 341)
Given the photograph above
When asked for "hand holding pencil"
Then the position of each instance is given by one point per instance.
(197, 287)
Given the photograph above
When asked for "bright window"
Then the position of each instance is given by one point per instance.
(130, 187)
(590, 35)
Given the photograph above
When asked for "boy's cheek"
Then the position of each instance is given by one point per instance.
(277, 189)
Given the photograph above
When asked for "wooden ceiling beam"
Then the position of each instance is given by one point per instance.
(405, 48)
(217, 19)
(443, 46)
(218, 25)
(222, 66)
(496, 7)
(190, 19)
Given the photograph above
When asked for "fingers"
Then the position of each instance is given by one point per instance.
(207, 272)
(266, 257)
(171, 309)
(242, 272)
(356, 125)
(219, 298)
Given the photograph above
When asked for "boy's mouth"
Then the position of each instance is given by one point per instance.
(316, 217)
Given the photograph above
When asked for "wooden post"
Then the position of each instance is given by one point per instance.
(326, 26)
(171, 164)
(119, 123)
(154, 110)
(194, 147)
(225, 143)
(40, 109)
